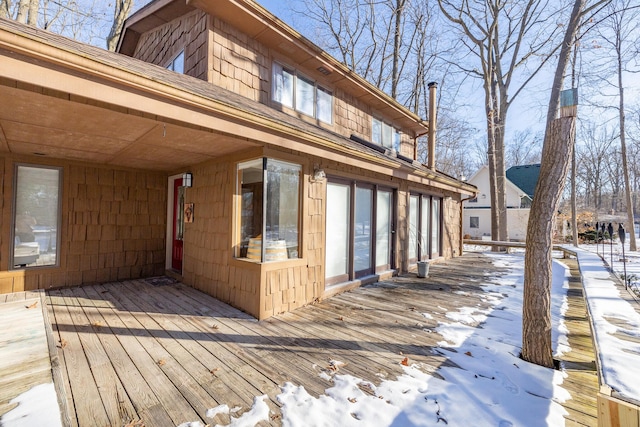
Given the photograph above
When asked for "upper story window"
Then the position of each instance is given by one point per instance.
(385, 135)
(177, 64)
(302, 94)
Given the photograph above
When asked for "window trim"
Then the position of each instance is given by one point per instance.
(12, 265)
(237, 216)
(428, 252)
(395, 132)
(171, 65)
(297, 75)
(352, 274)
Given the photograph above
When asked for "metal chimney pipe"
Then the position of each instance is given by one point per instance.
(433, 86)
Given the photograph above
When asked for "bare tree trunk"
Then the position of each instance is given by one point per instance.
(121, 12)
(556, 153)
(5, 6)
(396, 48)
(501, 176)
(33, 12)
(536, 325)
(574, 203)
(574, 166)
(23, 11)
(625, 166)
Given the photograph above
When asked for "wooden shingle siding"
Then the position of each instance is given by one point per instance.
(451, 226)
(239, 64)
(112, 228)
(189, 33)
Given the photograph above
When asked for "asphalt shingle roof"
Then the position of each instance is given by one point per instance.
(525, 177)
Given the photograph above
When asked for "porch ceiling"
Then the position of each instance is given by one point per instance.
(57, 127)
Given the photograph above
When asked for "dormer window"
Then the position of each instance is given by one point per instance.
(302, 94)
(177, 64)
(385, 135)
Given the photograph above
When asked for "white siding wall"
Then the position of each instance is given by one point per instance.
(516, 218)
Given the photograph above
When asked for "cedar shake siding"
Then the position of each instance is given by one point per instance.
(112, 227)
(201, 175)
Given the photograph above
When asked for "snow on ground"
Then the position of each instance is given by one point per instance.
(36, 407)
(492, 387)
(616, 321)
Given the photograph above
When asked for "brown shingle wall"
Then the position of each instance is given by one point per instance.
(162, 44)
(259, 289)
(112, 228)
(451, 227)
(207, 240)
(116, 225)
(239, 63)
(292, 287)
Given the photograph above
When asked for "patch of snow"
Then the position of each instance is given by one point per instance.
(36, 407)
(616, 325)
(490, 385)
(220, 409)
(258, 412)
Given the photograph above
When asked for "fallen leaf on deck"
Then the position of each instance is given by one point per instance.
(352, 399)
(335, 365)
(97, 324)
(34, 305)
(214, 370)
(161, 362)
(138, 423)
(405, 361)
(214, 326)
(468, 353)
(340, 318)
(63, 343)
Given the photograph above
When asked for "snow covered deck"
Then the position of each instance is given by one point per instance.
(165, 354)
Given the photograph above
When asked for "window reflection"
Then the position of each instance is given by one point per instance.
(36, 216)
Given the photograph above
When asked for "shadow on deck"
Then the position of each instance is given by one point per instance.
(165, 353)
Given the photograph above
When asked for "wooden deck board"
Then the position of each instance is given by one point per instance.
(137, 342)
(69, 416)
(214, 354)
(579, 363)
(86, 397)
(24, 351)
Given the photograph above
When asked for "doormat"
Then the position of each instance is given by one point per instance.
(161, 281)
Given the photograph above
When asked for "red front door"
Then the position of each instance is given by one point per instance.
(178, 225)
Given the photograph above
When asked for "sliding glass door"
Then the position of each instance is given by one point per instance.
(384, 230)
(363, 231)
(425, 224)
(337, 242)
(359, 230)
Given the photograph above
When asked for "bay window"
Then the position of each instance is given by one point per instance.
(269, 216)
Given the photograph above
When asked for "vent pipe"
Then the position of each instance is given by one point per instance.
(433, 86)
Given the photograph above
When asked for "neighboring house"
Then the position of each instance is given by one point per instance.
(521, 183)
(268, 176)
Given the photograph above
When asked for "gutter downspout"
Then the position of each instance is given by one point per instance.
(433, 86)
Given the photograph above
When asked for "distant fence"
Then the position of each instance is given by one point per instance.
(567, 251)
